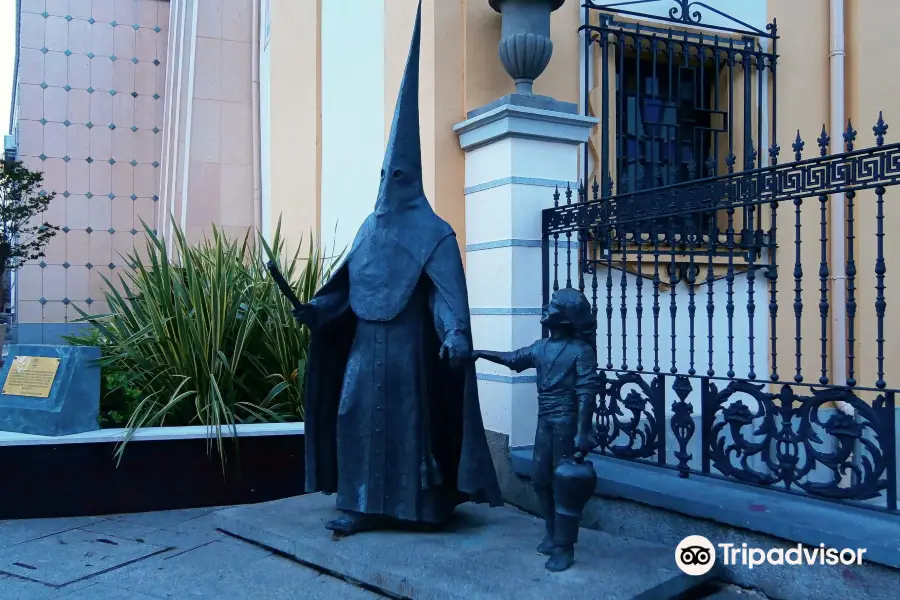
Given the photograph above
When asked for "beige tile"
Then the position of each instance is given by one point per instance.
(54, 276)
(142, 248)
(101, 143)
(56, 36)
(79, 36)
(122, 213)
(77, 283)
(31, 66)
(145, 78)
(59, 8)
(32, 31)
(100, 247)
(96, 286)
(80, 9)
(123, 144)
(123, 247)
(122, 179)
(209, 19)
(100, 208)
(101, 178)
(31, 137)
(29, 282)
(78, 106)
(55, 104)
(144, 115)
(144, 146)
(56, 212)
(55, 310)
(101, 74)
(79, 71)
(123, 77)
(236, 207)
(31, 102)
(163, 9)
(125, 11)
(204, 193)
(123, 41)
(32, 163)
(103, 10)
(54, 175)
(99, 307)
(236, 133)
(101, 108)
(54, 139)
(236, 72)
(55, 69)
(29, 311)
(78, 243)
(161, 79)
(157, 146)
(158, 112)
(33, 6)
(72, 313)
(208, 69)
(206, 131)
(78, 177)
(146, 13)
(77, 211)
(101, 39)
(237, 21)
(78, 141)
(145, 44)
(162, 47)
(55, 250)
(145, 180)
(145, 209)
(123, 110)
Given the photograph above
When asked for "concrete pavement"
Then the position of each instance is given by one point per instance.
(150, 556)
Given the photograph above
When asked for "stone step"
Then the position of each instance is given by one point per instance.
(485, 554)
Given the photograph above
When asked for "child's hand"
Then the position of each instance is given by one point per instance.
(585, 441)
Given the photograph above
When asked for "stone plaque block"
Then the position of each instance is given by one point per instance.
(72, 399)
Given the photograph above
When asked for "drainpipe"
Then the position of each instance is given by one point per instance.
(838, 203)
(254, 95)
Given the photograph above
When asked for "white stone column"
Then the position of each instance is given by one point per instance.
(518, 150)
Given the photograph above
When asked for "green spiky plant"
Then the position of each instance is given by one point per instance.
(205, 335)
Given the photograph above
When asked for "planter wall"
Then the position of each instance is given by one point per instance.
(163, 468)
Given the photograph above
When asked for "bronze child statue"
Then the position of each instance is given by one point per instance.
(567, 383)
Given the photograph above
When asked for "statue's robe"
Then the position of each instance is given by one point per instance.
(390, 426)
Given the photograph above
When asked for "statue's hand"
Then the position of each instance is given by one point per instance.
(304, 314)
(585, 441)
(456, 348)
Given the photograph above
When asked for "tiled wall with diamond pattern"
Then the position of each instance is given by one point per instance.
(91, 81)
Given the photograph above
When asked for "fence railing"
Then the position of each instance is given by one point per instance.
(771, 318)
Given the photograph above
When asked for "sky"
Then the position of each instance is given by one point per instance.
(7, 58)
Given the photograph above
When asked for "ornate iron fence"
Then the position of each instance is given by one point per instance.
(763, 419)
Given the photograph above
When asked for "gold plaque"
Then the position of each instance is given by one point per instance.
(31, 376)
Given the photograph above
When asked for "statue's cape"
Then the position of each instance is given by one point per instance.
(387, 259)
(454, 412)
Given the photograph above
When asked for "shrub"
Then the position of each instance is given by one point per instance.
(207, 338)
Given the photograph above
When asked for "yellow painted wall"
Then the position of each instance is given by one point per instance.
(296, 119)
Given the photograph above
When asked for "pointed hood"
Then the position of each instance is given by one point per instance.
(401, 173)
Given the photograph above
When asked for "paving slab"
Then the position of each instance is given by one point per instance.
(70, 556)
(484, 554)
(17, 531)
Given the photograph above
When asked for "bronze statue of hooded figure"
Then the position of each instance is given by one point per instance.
(393, 422)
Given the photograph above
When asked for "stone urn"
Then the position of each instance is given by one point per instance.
(525, 47)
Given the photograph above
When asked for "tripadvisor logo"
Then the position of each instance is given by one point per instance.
(695, 555)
